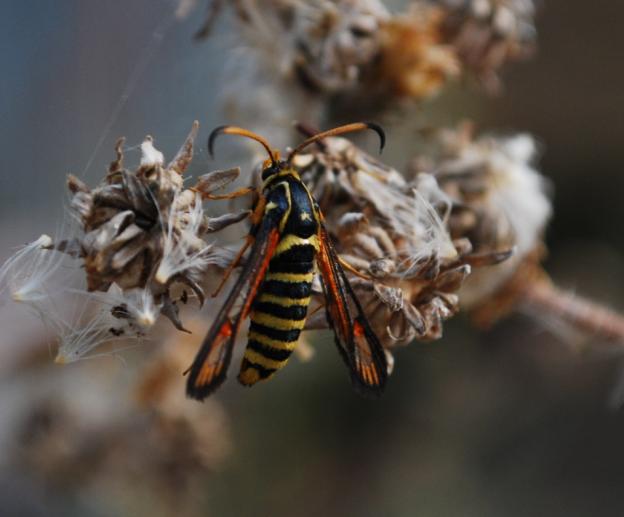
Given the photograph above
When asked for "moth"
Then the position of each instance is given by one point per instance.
(289, 245)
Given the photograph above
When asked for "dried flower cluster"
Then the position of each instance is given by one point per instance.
(485, 34)
(462, 228)
(357, 49)
(395, 233)
(499, 201)
(141, 244)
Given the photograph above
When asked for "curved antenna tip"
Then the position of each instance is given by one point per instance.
(341, 130)
(380, 132)
(212, 137)
(235, 130)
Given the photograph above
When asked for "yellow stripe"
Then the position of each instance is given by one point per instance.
(286, 215)
(283, 300)
(254, 357)
(293, 278)
(284, 173)
(273, 343)
(290, 240)
(268, 320)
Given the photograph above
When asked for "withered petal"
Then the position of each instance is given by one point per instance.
(216, 224)
(184, 156)
(194, 286)
(215, 180)
(415, 319)
(82, 204)
(141, 199)
(112, 196)
(117, 164)
(127, 253)
(399, 329)
(489, 258)
(101, 238)
(451, 280)
(76, 185)
(171, 311)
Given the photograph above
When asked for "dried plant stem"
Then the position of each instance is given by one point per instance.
(531, 287)
(583, 314)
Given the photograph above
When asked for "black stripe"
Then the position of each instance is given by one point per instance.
(262, 371)
(287, 336)
(279, 265)
(268, 351)
(297, 253)
(287, 289)
(293, 312)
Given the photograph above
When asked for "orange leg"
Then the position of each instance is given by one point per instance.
(249, 240)
(351, 269)
(255, 216)
(315, 310)
(237, 193)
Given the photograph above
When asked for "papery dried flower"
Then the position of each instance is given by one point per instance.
(500, 201)
(142, 229)
(184, 251)
(394, 233)
(336, 42)
(485, 34)
(324, 44)
(414, 62)
(142, 233)
(355, 53)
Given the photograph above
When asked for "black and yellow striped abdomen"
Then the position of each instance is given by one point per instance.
(280, 308)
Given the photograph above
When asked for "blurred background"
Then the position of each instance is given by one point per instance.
(512, 422)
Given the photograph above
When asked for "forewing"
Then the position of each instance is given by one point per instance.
(358, 345)
(209, 368)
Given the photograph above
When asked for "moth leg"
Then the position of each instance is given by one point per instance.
(248, 242)
(231, 195)
(256, 217)
(351, 269)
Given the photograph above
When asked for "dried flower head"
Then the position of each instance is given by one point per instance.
(500, 203)
(356, 53)
(141, 242)
(499, 200)
(336, 42)
(323, 44)
(143, 229)
(486, 34)
(395, 234)
(415, 62)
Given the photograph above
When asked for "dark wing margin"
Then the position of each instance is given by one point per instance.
(357, 343)
(210, 365)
